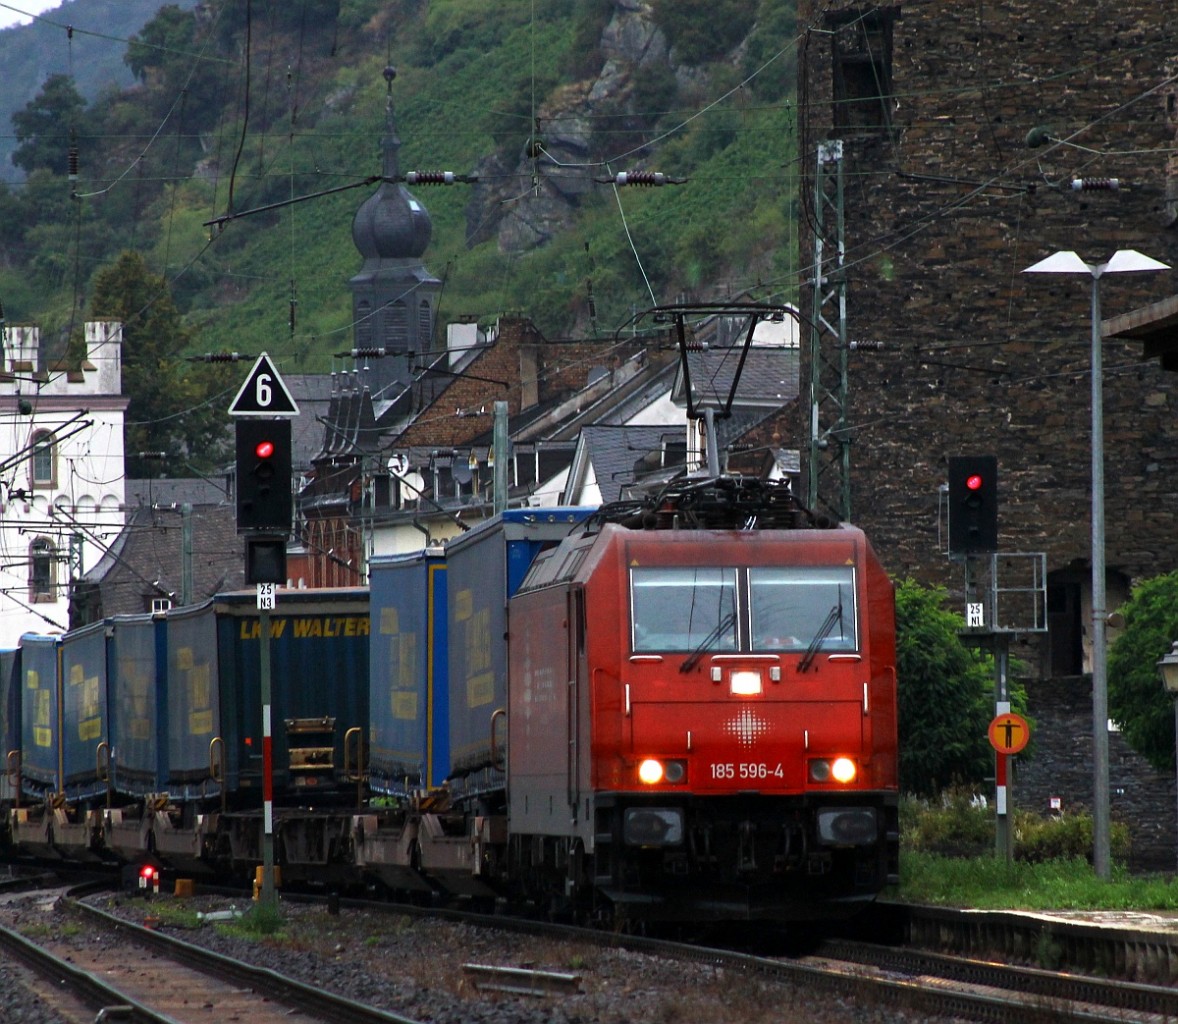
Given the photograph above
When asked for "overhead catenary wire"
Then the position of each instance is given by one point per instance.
(631, 240)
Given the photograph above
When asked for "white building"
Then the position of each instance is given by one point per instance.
(61, 473)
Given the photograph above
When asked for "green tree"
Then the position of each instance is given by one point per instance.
(168, 56)
(703, 30)
(1136, 700)
(43, 128)
(946, 696)
(172, 404)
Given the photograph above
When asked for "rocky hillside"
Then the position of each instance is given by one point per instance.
(241, 105)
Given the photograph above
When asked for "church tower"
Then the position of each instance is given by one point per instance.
(394, 296)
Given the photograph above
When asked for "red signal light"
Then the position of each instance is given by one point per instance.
(264, 449)
(974, 482)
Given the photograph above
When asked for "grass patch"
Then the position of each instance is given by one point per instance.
(173, 915)
(947, 858)
(989, 883)
(261, 920)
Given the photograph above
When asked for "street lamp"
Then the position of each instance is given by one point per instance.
(1168, 670)
(1123, 261)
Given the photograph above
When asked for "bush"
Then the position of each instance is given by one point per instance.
(1062, 837)
(961, 823)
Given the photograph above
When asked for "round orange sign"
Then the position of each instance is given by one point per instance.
(1009, 733)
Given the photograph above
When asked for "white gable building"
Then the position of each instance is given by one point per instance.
(61, 473)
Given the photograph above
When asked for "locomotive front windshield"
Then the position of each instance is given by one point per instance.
(680, 609)
(756, 609)
(799, 606)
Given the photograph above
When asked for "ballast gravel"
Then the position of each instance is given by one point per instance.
(413, 966)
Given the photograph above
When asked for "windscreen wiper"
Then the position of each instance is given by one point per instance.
(722, 627)
(835, 615)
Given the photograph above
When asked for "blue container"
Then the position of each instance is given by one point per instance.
(9, 720)
(318, 688)
(137, 658)
(83, 702)
(41, 766)
(484, 568)
(190, 699)
(409, 738)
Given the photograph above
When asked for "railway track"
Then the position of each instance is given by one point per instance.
(125, 971)
(1116, 997)
(916, 985)
(926, 985)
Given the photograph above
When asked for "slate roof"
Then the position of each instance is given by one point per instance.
(615, 452)
(167, 491)
(769, 378)
(312, 394)
(144, 562)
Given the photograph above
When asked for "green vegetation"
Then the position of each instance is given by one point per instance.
(473, 85)
(947, 857)
(262, 919)
(989, 883)
(174, 408)
(1136, 700)
(946, 696)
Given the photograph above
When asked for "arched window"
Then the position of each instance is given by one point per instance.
(42, 570)
(44, 459)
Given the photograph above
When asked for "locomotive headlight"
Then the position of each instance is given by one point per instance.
(653, 771)
(744, 683)
(840, 769)
(843, 770)
(650, 771)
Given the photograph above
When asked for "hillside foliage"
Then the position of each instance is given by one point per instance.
(238, 106)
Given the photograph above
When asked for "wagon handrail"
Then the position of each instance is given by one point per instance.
(217, 767)
(498, 760)
(102, 769)
(12, 770)
(355, 773)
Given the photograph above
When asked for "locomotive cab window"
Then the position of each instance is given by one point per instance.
(681, 609)
(792, 608)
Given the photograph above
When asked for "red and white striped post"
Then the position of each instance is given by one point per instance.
(269, 896)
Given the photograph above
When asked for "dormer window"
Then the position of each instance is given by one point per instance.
(44, 459)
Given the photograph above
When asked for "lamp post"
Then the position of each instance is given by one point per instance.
(1168, 670)
(1123, 261)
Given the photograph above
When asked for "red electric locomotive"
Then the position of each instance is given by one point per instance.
(702, 713)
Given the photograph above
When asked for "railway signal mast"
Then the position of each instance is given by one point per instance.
(973, 540)
(264, 408)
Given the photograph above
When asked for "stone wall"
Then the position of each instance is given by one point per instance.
(1060, 765)
(945, 205)
(946, 202)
